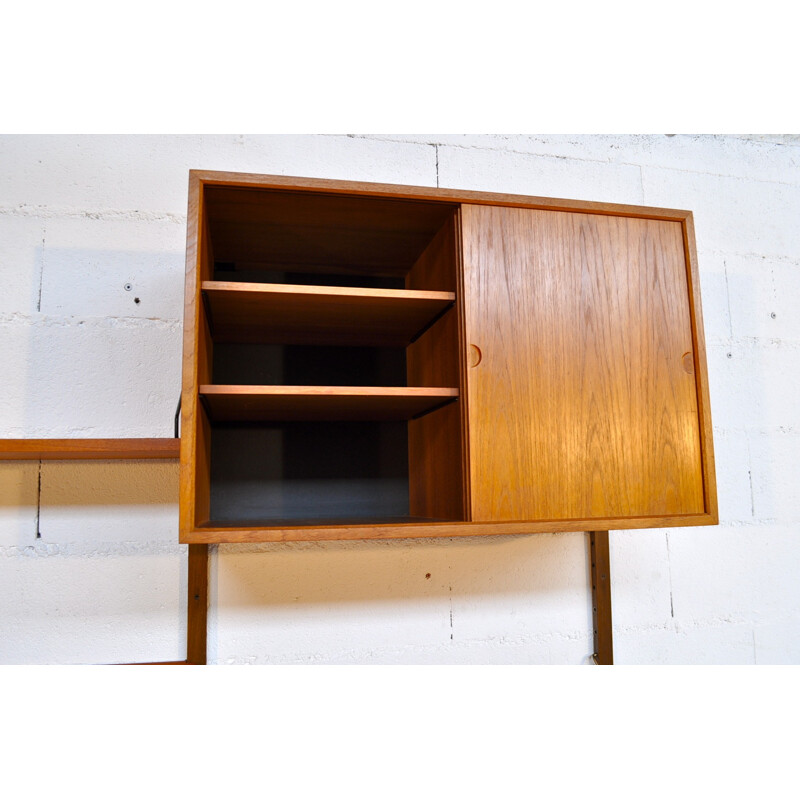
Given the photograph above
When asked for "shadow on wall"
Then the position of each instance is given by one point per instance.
(109, 483)
(104, 357)
(547, 567)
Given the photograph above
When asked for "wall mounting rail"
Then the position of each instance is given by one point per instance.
(131, 449)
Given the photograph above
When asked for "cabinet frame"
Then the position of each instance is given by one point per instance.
(194, 443)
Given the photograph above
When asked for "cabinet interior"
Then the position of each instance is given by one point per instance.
(329, 369)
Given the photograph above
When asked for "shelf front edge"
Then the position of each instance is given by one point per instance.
(435, 529)
(88, 449)
(354, 403)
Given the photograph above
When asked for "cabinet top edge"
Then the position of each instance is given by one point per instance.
(202, 178)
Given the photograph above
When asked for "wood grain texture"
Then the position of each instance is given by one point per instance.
(321, 533)
(435, 476)
(435, 457)
(329, 315)
(600, 575)
(212, 178)
(701, 371)
(605, 349)
(580, 407)
(197, 609)
(197, 261)
(436, 269)
(463, 400)
(365, 403)
(84, 449)
(320, 231)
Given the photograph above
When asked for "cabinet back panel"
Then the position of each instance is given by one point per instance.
(226, 271)
(296, 365)
(581, 391)
(264, 227)
(310, 470)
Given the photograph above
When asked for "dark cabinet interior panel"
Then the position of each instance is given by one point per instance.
(308, 472)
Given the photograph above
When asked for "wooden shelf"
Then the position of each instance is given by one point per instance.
(74, 449)
(291, 314)
(362, 403)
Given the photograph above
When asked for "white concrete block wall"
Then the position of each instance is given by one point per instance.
(90, 568)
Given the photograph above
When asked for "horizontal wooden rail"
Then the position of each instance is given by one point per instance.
(74, 449)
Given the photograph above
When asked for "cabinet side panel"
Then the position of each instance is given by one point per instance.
(582, 396)
(189, 361)
(701, 369)
(197, 354)
(436, 478)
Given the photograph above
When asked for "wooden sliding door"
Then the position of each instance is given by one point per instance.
(581, 392)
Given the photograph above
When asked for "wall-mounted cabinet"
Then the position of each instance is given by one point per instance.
(370, 361)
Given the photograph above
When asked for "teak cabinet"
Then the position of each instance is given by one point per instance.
(373, 361)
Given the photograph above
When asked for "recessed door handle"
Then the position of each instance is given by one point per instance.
(475, 355)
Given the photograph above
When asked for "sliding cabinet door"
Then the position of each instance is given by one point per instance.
(581, 392)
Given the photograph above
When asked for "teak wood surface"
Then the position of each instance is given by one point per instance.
(284, 184)
(602, 430)
(88, 449)
(437, 482)
(328, 315)
(247, 534)
(584, 403)
(378, 236)
(197, 608)
(600, 569)
(195, 471)
(367, 403)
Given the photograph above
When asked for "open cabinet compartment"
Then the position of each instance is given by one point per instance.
(372, 361)
(328, 367)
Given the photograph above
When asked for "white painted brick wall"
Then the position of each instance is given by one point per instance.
(81, 216)
(19, 501)
(102, 501)
(92, 377)
(93, 604)
(545, 176)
